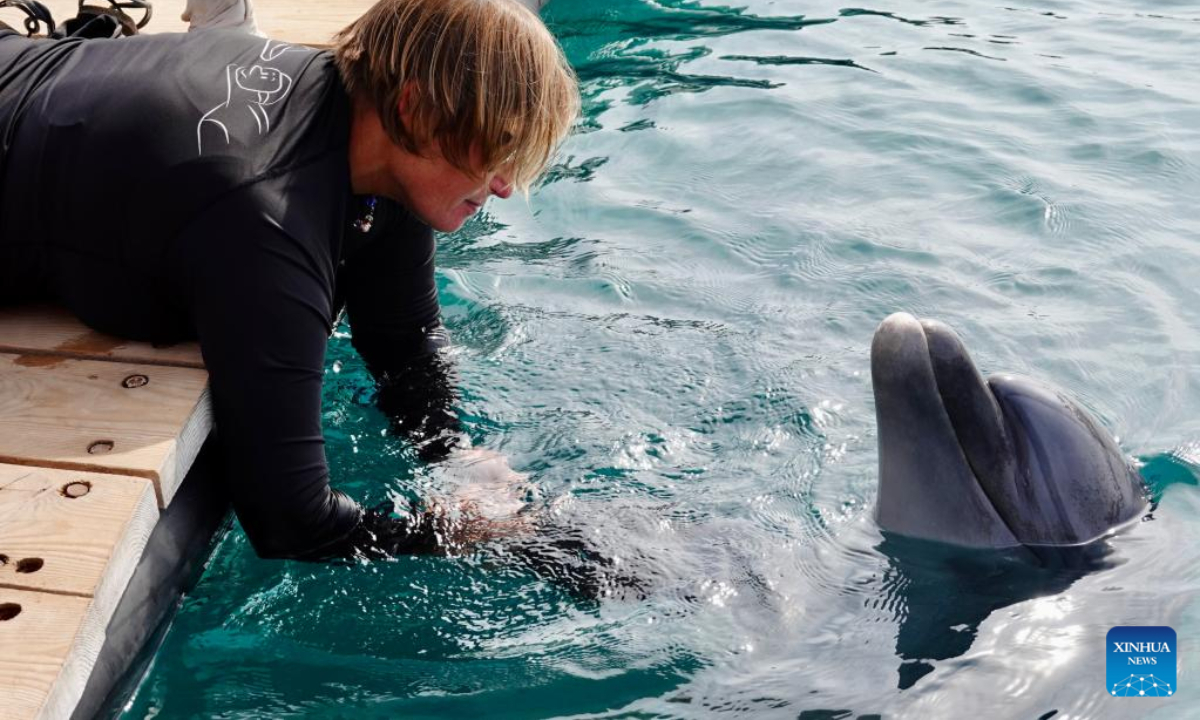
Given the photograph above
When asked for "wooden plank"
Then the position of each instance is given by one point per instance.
(45, 332)
(79, 415)
(37, 632)
(53, 541)
(83, 549)
(297, 21)
(174, 555)
(307, 23)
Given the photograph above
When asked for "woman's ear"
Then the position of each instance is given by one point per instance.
(406, 105)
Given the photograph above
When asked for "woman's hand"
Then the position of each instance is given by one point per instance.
(483, 502)
(486, 483)
(486, 502)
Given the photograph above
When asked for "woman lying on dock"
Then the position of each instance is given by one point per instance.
(242, 191)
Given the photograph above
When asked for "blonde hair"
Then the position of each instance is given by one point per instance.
(487, 77)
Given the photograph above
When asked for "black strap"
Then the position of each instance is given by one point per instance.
(92, 21)
(96, 22)
(119, 7)
(36, 15)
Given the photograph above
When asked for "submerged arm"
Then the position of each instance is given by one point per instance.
(391, 299)
(258, 289)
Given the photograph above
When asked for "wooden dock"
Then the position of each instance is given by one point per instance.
(99, 531)
(96, 437)
(304, 22)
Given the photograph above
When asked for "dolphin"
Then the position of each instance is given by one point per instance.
(998, 463)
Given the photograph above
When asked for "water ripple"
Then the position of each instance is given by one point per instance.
(794, 60)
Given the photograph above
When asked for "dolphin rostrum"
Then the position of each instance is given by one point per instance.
(1002, 462)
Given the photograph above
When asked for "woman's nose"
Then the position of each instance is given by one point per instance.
(500, 187)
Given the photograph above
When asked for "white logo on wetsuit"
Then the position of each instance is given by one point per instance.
(249, 89)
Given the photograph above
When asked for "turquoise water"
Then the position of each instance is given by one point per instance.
(672, 339)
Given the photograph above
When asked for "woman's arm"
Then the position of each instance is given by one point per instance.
(387, 280)
(256, 275)
(390, 289)
(259, 298)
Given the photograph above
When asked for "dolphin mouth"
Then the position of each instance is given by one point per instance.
(926, 477)
(996, 463)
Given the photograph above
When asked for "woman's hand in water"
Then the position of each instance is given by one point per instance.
(485, 500)
(486, 483)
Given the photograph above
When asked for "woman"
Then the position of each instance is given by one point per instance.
(241, 191)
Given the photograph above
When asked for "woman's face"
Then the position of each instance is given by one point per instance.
(440, 194)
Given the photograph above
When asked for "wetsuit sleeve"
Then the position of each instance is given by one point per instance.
(260, 302)
(392, 305)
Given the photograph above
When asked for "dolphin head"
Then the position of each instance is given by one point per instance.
(997, 463)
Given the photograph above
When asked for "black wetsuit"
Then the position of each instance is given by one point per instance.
(167, 187)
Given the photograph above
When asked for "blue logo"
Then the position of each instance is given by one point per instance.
(1141, 661)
